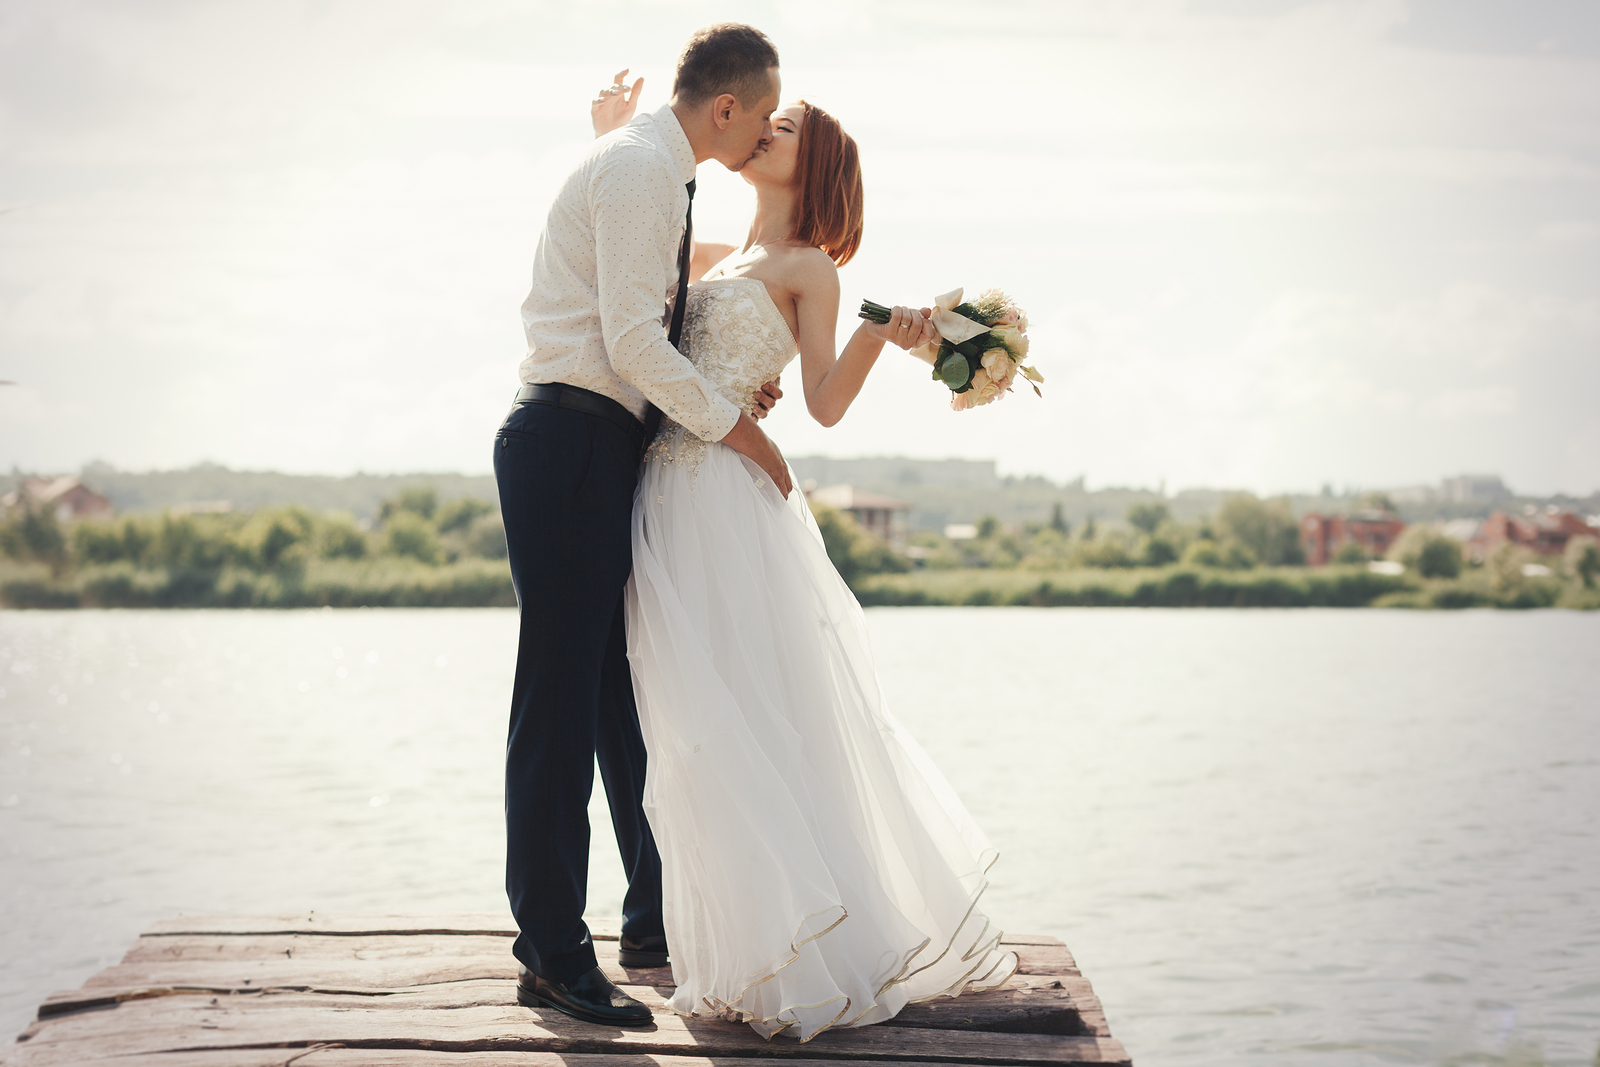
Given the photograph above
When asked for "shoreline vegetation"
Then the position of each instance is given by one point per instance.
(421, 552)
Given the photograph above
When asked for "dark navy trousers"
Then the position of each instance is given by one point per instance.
(566, 481)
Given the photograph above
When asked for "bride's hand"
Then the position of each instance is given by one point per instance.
(613, 107)
(907, 327)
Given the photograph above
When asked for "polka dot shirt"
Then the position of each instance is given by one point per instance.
(605, 268)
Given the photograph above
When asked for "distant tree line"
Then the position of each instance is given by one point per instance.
(280, 556)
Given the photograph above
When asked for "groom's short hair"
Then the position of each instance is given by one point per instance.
(728, 57)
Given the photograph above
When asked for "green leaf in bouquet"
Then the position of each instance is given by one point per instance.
(955, 371)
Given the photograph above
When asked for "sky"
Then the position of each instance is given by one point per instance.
(1267, 245)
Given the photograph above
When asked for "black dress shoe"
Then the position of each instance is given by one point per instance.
(643, 951)
(590, 997)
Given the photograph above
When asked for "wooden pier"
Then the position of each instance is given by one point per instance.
(439, 991)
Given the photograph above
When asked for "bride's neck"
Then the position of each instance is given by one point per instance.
(774, 221)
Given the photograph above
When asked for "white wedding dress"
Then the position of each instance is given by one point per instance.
(818, 870)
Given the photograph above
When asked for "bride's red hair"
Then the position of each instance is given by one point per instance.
(828, 167)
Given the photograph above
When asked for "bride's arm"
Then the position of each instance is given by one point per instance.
(612, 107)
(831, 383)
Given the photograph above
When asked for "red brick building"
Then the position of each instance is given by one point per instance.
(1545, 532)
(1323, 535)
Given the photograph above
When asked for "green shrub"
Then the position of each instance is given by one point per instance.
(35, 535)
(1158, 552)
(1428, 552)
(36, 593)
(278, 540)
(408, 534)
(1582, 560)
(1226, 555)
(462, 513)
(1180, 587)
(1267, 529)
(126, 540)
(854, 552)
(1351, 552)
(486, 538)
(120, 585)
(421, 502)
(1146, 517)
(342, 539)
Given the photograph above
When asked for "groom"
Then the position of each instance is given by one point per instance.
(602, 366)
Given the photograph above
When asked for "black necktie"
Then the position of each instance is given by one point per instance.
(652, 414)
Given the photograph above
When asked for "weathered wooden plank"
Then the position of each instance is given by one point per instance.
(1033, 958)
(413, 1019)
(383, 961)
(371, 1057)
(492, 924)
(1026, 1004)
(1044, 959)
(1031, 939)
(340, 925)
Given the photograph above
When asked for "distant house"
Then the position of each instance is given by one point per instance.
(1546, 532)
(1464, 488)
(883, 517)
(66, 497)
(1373, 529)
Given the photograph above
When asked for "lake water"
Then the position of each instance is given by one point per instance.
(1270, 837)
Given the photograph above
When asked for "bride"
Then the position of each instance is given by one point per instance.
(818, 870)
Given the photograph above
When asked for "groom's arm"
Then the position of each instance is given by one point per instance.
(636, 223)
(635, 211)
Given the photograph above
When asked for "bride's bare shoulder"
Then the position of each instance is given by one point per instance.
(812, 269)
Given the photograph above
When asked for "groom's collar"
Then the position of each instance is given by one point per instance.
(677, 142)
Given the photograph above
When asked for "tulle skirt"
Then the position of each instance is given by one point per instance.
(818, 870)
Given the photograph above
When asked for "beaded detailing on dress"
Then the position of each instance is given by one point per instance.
(737, 338)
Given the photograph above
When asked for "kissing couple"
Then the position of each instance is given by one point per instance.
(790, 850)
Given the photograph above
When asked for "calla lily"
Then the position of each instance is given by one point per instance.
(952, 327)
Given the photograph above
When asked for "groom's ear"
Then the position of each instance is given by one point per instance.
(722, 110)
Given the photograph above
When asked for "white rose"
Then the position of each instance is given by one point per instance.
(984, 389)
(998, 364)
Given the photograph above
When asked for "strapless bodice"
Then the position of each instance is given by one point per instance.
(734, 335)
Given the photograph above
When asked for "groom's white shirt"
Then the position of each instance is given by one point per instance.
(606, 264)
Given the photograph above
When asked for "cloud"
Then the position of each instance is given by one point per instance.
(1257, 247)
(1439, 163)
(1478, 326)
(1570, 232)
(1484, 402)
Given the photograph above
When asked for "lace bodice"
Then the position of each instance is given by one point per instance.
(734, 335)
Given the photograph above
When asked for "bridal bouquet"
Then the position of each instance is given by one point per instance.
(982, 344)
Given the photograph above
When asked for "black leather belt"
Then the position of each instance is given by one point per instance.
(561, 395)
